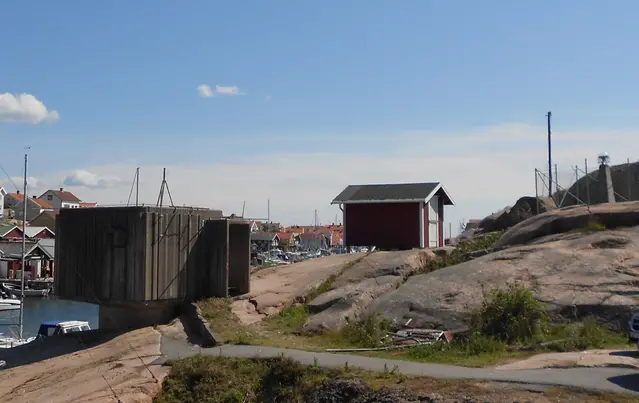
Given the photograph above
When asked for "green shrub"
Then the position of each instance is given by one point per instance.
(585, 335)
(511, 315)
(371, 332)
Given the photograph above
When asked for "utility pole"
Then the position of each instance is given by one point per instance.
(24, 247)
(549, 115)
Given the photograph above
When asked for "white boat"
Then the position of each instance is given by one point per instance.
(54, 328)
(28, 292)
(10, 342)
(9, 304)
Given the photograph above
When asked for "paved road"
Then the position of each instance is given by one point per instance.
(616, 380)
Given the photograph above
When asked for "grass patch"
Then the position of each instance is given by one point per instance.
(236, 380)
(220, 317)
(325, 286)
(461, 253)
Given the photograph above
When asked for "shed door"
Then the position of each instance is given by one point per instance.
(433, 219)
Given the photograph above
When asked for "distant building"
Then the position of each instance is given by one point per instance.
(35, 206)
(61, 199)
(394, 216)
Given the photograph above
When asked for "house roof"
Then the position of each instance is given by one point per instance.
(5, 228)
(33, 231)
(42, 203)
(311, 235)
(14, 249)
(285, 235)
(88, 204)
(17, 196)
(392, 193)
(263, 236)
(64, 195)
(48, 246)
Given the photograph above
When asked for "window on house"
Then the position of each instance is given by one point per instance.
(49, 197)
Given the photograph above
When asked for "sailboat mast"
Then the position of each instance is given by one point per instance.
(24, 246)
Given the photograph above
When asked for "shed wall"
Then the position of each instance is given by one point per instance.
(384, 225)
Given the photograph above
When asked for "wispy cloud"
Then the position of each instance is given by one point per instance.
(228, 90)
(267, 98)
(24, 108)
(206, 91)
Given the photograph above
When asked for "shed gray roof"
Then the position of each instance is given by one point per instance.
(14, 249)
(48, 246)
(388, 193)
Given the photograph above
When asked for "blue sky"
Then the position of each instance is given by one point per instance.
(340, 78)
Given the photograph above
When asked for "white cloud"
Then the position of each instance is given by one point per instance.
(14, 183)
(204, 91)
(24, 108)
(484, 170)
(90, 180)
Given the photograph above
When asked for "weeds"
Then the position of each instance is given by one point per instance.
(325, 286)
(369, 333)
(461, 253)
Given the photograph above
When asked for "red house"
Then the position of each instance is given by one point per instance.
(394, 216)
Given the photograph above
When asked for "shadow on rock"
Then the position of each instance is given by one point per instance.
(629, 382)
(51, 347)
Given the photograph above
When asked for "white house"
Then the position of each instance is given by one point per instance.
(60, 199)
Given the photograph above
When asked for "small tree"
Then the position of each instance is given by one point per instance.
(510, 314)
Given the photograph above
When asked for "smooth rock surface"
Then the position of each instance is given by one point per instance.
(577, 274)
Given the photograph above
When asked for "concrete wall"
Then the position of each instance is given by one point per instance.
(134, 315)
(147, 254)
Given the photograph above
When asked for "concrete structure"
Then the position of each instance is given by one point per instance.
(394, 216)
(607, 184)
(139, 263)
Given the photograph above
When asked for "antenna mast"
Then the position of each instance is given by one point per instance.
(163, 187)
(549, 115)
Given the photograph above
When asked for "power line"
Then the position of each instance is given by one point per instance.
(9, 177)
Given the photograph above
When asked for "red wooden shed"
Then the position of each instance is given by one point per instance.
(394, 216)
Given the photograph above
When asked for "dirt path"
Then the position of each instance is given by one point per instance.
(87, 375)
(274, 287)
(591, 358)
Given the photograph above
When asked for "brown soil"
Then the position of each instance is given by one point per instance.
(89, 375)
